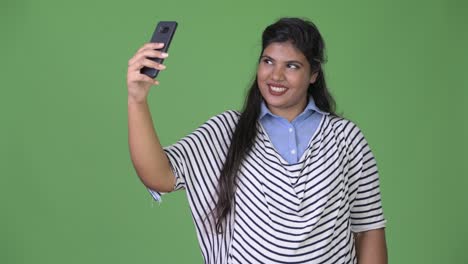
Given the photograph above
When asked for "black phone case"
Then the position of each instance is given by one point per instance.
(163, 33)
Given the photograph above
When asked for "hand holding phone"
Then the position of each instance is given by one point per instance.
(162, 34)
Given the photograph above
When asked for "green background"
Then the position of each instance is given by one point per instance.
(68, 190)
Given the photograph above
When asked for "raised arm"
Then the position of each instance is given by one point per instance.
(147, 154)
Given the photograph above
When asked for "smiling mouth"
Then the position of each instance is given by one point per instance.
(277, 89)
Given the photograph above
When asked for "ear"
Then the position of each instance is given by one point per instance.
(313, 77)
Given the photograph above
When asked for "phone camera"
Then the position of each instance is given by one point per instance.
(164, 30)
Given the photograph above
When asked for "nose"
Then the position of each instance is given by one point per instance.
(277, 74)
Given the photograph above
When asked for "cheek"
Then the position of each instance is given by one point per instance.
(302, 79)
(262, 72)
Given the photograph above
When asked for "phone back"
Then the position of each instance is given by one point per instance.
(163, 33)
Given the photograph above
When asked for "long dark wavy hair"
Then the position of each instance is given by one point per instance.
(305, 36)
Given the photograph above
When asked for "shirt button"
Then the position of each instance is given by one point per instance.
(293, 151)
(291, 130)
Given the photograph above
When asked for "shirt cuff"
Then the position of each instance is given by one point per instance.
(156, 195)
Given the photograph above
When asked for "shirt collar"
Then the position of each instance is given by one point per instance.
(311, 106)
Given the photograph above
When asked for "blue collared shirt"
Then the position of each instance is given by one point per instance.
(291, 139)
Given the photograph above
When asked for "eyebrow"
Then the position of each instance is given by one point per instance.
(288, 62)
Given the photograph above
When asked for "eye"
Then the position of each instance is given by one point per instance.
(293, 66)
(267, 61)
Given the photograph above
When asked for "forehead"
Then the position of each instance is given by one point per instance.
(284, 51)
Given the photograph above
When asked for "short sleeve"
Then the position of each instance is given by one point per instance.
(177, 163)
(201, 153)
(366, 205)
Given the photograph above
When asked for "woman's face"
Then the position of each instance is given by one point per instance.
(283, 76)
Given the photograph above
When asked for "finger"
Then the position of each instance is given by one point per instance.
(138, 77)
(146, 62)
(151, 53)
(154, 54)
(151, 64)
(144, 78)
(151, 45)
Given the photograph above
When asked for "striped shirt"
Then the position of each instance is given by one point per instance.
(283, 213)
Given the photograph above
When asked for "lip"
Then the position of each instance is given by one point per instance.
(276, 93)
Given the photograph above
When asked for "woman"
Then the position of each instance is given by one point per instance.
(286, 180)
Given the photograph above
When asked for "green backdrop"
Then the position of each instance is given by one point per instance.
(68, 191)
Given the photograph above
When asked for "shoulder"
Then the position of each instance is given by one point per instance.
(340, 124)
(226, 116)
(218, 128)
(350, 139)
(343, 128)
(223, 123)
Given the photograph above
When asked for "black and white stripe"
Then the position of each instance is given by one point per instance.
(283, 213)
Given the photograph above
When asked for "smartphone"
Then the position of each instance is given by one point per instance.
(163, 33)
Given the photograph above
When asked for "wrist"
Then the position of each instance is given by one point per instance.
(133, 101)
